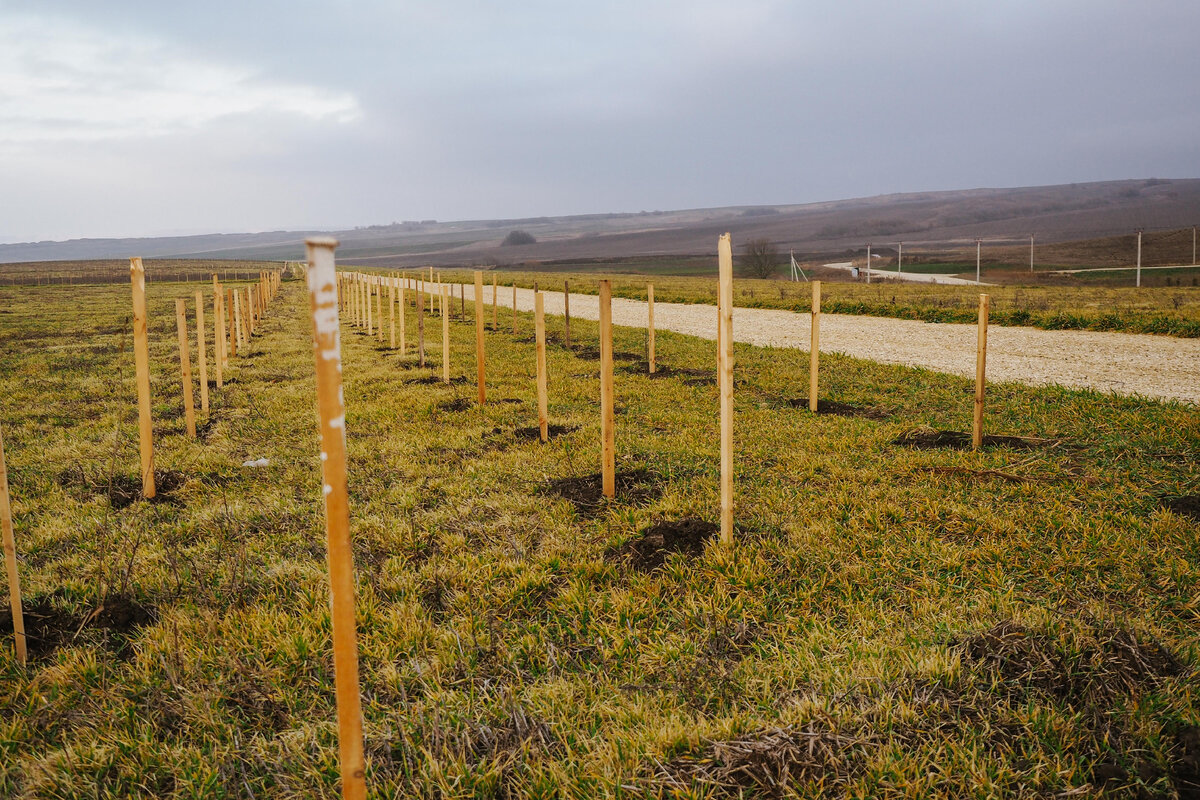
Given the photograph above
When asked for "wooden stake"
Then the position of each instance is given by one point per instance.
(725, 266)
(514, 308)
(421, 323)
(445, 338)
(237, 320)
(567, 313)
(229, 304)
(980, 365)
(650, 327)
(367, 298)
(392, 312)
(201, 351)
(219, 334)
(462, 302)
(479, 354)
(814, 350)
(495, 312)
(246, 319)
(10, 562)
(400, 299)
(607, 421)
(327, 349)
(141, 358)
(539, 321)
(185, 366)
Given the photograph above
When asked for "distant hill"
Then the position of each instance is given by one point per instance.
(1054, 213)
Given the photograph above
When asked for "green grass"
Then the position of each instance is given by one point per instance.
(505, 650)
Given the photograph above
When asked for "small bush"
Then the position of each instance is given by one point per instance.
(518, 238)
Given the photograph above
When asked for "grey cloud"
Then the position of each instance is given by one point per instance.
(473, 109)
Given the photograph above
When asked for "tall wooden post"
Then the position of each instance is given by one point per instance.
(228, 305)
(421, 323)
(1139, 259)
(219, 332)
(567, 314)
(725, 266)
(370, 315)
(479, 354)
(539, 321)
(392, 312)
(495, 304)
(327, 348)
(650, 328)
(978, 255)
(185, 366)
(814, 349)
(237, 320)
(514, 308)
(607, 420)
(10, 562)
(141, 358)
(378, 285)
(201, 351)
(402, 309)
(980, 365)
(445, 337)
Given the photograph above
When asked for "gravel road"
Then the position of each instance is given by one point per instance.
(1160, 367)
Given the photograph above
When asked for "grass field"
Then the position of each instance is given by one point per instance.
(892, 621)
(1174, 311)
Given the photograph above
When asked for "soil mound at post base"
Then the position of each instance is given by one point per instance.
(841, 409)
(48, 627)
(650, 549)
(1186, 506)
(924, 438)
(586, 493)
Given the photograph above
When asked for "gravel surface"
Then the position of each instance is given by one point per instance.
(1160, 367)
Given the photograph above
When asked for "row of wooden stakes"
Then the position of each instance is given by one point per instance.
(237, 313)
(254, 299)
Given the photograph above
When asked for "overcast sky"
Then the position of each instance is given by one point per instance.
(124, 118)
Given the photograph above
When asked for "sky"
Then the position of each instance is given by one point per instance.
(143, 117)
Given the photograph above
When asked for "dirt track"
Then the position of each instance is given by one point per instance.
(1160, 367)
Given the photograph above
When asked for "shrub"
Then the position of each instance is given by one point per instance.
(518, 237)
(760, 259)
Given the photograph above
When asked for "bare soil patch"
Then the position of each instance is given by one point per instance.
(455, 405)
(1185, 506)
(48, 627)
(586, 492)
(650, 549)
(667, 371)
(534, 432)
(842, 409)
(924, 438)
(436, 380)
(767, 763)
(1098, 669)
(589, 353)
(121, 490)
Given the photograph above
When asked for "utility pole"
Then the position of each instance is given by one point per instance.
(1139, 258)
(1193, 245)
(1031, 254)
(868, 262)
(900, 259)
(978, 249)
